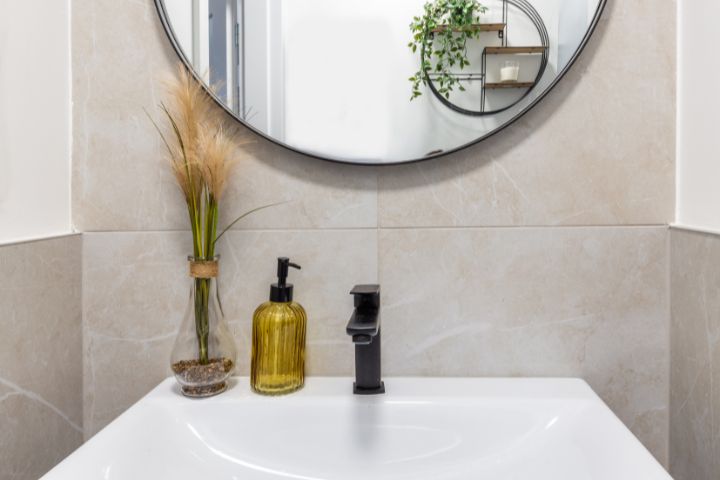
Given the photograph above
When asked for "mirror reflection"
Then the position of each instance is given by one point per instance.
(373, 81)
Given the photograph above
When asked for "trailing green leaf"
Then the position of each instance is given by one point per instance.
(441, 34)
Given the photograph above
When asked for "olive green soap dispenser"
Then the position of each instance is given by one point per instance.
(278, 344)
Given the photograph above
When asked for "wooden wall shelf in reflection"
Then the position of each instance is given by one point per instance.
(481, 27)
(513, 50)
(501, 85)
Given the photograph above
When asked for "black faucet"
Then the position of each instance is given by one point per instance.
(364, 328)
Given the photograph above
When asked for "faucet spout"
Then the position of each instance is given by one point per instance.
(364, 322)
(364, 328)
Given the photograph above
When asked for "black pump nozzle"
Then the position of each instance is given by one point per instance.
(281, 291)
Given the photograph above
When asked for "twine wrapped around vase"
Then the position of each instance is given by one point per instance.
(204, 268)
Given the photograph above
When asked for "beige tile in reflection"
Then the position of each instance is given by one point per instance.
(580, 302)
(598, 150)
(136, 289)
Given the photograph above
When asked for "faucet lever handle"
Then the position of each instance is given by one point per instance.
(366, 295)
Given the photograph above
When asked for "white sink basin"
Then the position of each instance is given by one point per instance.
(423, 428)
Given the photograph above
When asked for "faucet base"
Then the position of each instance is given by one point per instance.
(369, 391)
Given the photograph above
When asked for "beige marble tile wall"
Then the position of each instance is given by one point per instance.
(580, 302)
(695, 356)
(583, 292)
(40, 356)
(136, 290)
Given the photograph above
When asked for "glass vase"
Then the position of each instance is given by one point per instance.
(204, 354)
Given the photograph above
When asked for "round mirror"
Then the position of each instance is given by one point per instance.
(378, 81)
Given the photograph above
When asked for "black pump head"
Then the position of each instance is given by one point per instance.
(281, 291)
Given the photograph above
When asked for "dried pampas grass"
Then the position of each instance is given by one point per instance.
(202, 153)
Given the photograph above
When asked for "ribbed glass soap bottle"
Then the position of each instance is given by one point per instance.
(278, 346)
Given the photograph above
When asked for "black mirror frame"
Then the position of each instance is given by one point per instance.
(162, 13)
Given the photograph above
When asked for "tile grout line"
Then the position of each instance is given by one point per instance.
(378, 208)
(83, 339)
(379, 228)
(48, 238)
(669, 320)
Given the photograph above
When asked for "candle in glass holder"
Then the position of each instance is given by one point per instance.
(510, 71)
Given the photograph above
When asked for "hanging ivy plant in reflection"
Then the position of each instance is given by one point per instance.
(441, 35)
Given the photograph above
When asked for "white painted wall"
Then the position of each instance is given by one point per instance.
(35, 119)
(698, 137)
